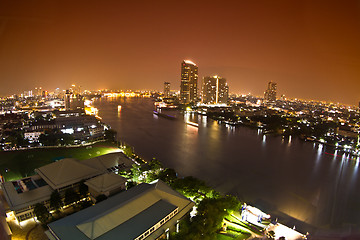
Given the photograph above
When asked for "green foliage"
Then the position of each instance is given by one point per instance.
(55, 200)
(135, 172)
(154, 165)
(168, 176)
(128, 151)
(191, 187)
(110, 135)
(209, 218)
(71, 196)
(84, 204)
(55, 138)
(41, 212)
(16, 139)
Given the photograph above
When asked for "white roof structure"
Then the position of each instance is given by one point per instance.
(17, 201)
(69, 171)
(38, 188)
(126, 215)
(106, 182)
(66, 172)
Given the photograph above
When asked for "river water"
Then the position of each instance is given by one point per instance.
(303, 183)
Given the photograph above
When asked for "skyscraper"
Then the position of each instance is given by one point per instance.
(215, 90)
(270, 93)
(189, 79)
(166, 89)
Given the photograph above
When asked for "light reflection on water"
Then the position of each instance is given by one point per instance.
(297, 177)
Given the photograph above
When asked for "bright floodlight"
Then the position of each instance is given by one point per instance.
(189, 62)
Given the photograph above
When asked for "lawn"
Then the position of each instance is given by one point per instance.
(232, 235)
(221, 236)
(18, 164)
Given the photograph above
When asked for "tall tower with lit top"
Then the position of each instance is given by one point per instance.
(189, 79)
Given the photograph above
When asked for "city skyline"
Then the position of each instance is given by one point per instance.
(309, 48)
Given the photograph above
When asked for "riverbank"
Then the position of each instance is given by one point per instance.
(302, 179)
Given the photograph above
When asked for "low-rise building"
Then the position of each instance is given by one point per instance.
(33, 136)
(146, 211)
(106, 184)
(22, 195)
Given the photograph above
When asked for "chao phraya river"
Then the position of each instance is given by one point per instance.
(286, 177)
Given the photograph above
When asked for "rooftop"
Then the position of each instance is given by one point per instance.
(189, 62)
(70, 171)
(18, 199)
(124, 216)
(66, 172)
(106, 182)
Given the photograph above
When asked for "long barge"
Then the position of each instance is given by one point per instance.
(164, 115)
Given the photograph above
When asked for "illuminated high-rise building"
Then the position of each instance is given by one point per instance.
(166, 89)
(270, 93)
(215, 90)
(189, 79)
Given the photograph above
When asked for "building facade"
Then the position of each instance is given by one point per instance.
(166, 89)
(189, 81)
(215, 90)
(270, 93)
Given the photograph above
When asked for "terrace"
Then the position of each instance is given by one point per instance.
(28, 184)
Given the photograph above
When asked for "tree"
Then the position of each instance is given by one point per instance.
(154, 165)
(55, 200)
(41, 212)
(130, 184)
(71, 196)
(49, 138)
(110, 135)
(84, 204)
(128, 151)
(135, 172)
(66, 139)
(168, 175)
(191, 187)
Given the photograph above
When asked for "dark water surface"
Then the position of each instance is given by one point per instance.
(306, 181)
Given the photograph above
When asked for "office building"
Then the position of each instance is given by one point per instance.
(189, 79)
(166, 89)
(215, 90)
(270, 93)
(99, 174)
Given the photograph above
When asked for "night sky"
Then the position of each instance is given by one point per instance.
(310, 48)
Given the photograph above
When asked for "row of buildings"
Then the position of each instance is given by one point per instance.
(215, 89)
(146, 211)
